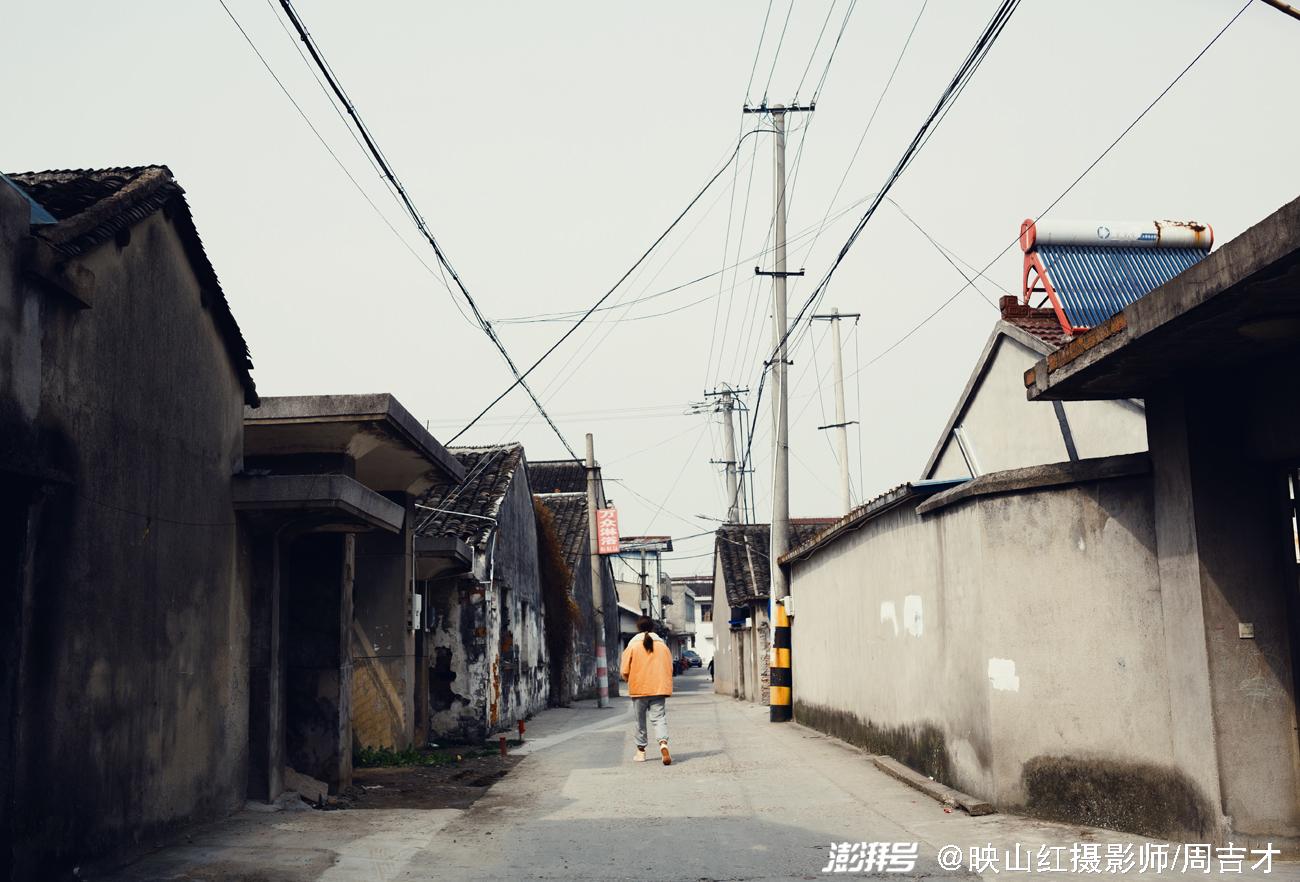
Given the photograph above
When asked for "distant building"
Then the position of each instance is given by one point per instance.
(701, 591)
(561, 485)
(742, 580)
(571, 523)
(640, 579)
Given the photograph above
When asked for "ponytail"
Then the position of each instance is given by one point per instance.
(648, 643)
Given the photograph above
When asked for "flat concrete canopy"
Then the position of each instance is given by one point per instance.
(392, 451)
(1239, 306)
(441, 556)
(327, 501)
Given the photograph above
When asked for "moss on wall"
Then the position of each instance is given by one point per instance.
(920, 747)
(1137, 798)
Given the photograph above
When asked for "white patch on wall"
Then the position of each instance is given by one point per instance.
(1002, 674)
(887, 614)
(912, 619)
(1083, 546)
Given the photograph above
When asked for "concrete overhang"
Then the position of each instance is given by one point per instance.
(1040, 477)
(324, 501)
(391, 450)
(1238, 307)
(437, 556)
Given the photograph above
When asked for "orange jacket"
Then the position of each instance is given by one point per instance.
(647, 673)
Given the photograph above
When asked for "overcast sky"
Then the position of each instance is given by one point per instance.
(548, 144)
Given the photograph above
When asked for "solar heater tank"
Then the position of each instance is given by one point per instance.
(1117, 234)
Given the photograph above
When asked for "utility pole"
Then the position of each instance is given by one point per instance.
(647, 604)
(597, 577)
(780, 700)
(841, 426)
(729, 451)
(735, 478)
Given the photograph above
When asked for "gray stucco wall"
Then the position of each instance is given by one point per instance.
(1004, 431)
(134, 675)
(1222, 514)
(1009, 645)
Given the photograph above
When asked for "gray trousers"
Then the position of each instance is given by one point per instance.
(657, 709)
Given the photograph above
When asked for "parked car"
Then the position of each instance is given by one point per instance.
(693, 658)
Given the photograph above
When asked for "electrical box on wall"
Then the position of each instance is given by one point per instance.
(417, 611)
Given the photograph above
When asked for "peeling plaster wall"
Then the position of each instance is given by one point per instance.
(488, 664)
(1009, 645)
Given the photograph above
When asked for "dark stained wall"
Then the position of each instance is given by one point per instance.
(132, 685)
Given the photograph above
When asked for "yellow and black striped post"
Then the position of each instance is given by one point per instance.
(780, 683)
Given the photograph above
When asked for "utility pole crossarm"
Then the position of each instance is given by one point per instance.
(841, 423)
(779, 110)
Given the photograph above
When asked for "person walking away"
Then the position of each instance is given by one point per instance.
(647, 668)
(710, 670)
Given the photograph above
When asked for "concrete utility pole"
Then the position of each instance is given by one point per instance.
(736, 505)
(729, 451)
(647, 604)
(597, 577)
(841, 426)
(780, 701)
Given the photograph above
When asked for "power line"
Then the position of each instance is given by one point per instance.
(777, 54)
(826, 70)
(758, 51)
(606, 295)
(321, 138)
(965, 71)
(813, 54)
(411, 209)
(1068, 188)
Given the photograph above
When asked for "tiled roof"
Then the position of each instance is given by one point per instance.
(570, 512)
(93, 206)
(489, 473)
(861, 514)
(1038, 322)
(558, 476)
(743, 549)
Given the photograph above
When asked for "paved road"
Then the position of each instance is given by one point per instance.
(743, 800)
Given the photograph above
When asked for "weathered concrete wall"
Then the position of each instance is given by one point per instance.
(1227, 559)
(521, 643)
(383, 644)
(726, 670)
(1004, 431)
(1009, 645)
(583, 661)
(134, 673)
(459, 668)
(488, 661)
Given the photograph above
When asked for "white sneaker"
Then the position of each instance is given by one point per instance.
(639, 757)
(663, 750)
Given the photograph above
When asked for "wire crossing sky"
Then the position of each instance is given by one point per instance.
(549, 145)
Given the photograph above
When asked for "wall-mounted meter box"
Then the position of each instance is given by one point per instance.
(417, 611)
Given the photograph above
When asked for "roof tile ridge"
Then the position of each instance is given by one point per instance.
(147, 181)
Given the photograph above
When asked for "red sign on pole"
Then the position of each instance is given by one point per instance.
(607, 531)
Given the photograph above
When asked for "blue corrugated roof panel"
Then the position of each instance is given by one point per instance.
(1095, 283)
